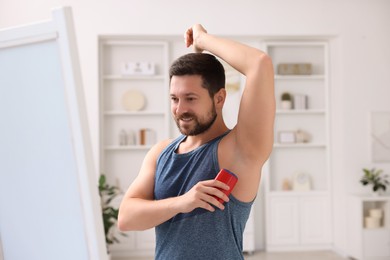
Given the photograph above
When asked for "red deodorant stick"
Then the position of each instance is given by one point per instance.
(228, 178)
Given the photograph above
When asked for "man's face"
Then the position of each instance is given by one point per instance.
(192, 108)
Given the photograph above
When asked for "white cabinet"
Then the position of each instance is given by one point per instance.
(249, 235)
(365, 240)
(284, 227)
(298, 223)
(134, 114)
(376, 244)
(315, 223)
(297, 174)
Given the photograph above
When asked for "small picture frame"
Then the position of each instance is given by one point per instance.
(380, 136)
(287, 137)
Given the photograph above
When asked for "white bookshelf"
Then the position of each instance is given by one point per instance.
(300, 219)
(121, 162)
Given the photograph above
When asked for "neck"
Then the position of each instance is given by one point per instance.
(193, 141)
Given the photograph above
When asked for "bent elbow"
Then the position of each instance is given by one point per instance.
(264, 61)
(124, 221)
(121, 224)
(128, 223)
(261, 64)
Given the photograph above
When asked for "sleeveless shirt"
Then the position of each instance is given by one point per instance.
(199, 234)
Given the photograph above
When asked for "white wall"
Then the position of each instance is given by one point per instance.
(360, 56)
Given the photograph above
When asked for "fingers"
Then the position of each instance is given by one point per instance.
(215, 184)
(207, 206)
(211, 191)
(188, 37)
(209, 202)
(191, 36)
(205, 194)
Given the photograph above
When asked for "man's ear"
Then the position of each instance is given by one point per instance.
(220, 96)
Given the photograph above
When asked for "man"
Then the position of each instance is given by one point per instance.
(175, 190)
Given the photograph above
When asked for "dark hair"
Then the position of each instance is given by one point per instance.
(203, 64)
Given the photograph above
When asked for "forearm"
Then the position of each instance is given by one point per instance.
(243, 58)
(254, 135)
(141, 214)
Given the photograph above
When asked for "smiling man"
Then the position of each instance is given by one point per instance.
(176, 190)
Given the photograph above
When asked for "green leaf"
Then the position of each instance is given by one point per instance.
(107, 193)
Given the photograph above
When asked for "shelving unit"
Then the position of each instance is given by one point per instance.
(299, 219)
(368, 242)
(122, 161)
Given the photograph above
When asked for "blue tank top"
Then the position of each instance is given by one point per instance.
(199, 234)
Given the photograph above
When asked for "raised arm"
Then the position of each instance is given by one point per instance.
(253, 133)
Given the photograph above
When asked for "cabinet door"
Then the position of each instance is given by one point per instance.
(284, 224)
(315, 220)
(146, 240)
(376, 244)
(249, 234)
(126, 244)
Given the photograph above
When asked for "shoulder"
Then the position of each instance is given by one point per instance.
(151, 157)
(159, 147)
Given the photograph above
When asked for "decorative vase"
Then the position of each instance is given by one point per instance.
(376, 213)
(286, 104)
(372, 222)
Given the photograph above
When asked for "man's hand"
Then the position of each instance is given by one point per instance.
(192, 37)
(203, 195)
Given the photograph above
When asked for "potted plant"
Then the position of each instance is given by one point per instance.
(375, 178)
(107, 193)
(286, 100)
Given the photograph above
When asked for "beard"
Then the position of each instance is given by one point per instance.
(198, 126)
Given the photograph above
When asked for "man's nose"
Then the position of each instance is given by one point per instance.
(181, 108)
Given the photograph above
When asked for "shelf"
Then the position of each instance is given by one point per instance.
(127, 147)
(130, 43)
(299, 111)
(372, 198)
(376, 229)
(299, 77)
(133, 77)
(300, 145)
(291, 193)
(135, 113)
